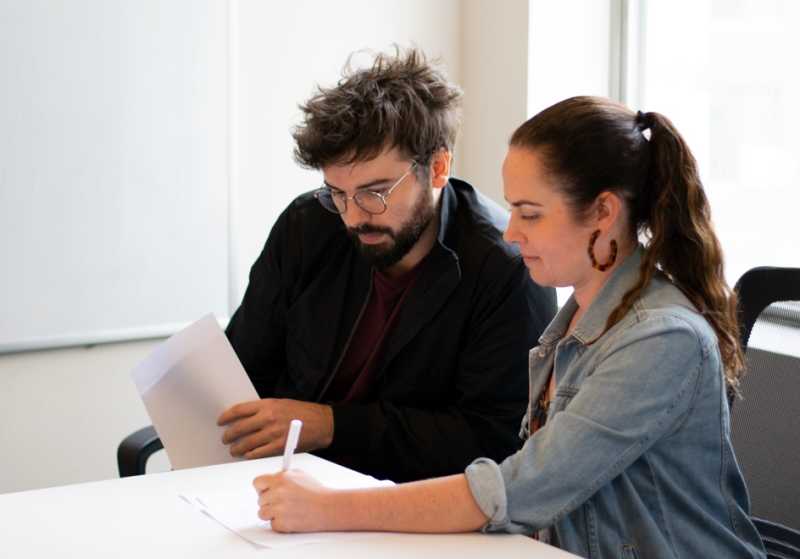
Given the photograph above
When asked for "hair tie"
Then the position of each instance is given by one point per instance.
(643, 123)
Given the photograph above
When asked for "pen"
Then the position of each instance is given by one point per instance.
(291, 442)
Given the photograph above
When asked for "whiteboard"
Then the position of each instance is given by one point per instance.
(113, 169)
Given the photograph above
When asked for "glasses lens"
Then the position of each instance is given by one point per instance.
(370, 202)
(329, 202)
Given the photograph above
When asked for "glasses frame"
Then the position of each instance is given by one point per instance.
(382, 196)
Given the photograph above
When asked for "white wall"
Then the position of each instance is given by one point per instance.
(569, 51)
(64, 411)
(285, 49)
(494, 70)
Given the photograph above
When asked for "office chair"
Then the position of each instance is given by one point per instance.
(135, 449)
(765, 422)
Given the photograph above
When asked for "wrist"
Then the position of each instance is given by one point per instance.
(341, 510)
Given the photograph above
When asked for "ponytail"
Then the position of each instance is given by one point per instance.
(682, 244)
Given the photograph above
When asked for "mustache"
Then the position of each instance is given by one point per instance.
(366, 228)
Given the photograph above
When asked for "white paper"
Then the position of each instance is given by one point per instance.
(235, 507)
(186, 383)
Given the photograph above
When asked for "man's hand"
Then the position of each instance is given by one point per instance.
(259, 428)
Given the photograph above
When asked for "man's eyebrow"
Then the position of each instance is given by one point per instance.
(369, 184)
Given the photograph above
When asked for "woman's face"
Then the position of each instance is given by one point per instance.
(553, 245)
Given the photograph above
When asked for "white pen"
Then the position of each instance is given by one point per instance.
(291, 442)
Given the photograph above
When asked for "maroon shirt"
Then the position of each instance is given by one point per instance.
(355, 377)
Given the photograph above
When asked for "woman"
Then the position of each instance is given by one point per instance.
(628, 450)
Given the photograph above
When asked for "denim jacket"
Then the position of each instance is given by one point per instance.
(635, 458)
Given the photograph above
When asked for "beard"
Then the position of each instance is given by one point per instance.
(385, 255)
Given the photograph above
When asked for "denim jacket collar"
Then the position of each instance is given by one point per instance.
(593, 322)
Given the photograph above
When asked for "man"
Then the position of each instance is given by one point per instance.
(385, 311)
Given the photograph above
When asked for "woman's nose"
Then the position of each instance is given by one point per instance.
(511, 234)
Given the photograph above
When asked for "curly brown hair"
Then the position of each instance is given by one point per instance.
(592, 145)
(401, 101)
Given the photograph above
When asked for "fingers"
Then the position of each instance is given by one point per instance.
(238, 411)
(262, 483)
(242, 427)
(265, 513)
(272, 448)
(289, 506)
(262, 441)
(276, 519)
(254, 430)
(277, 516)
(265, 481)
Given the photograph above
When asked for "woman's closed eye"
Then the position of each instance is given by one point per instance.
(526, 211)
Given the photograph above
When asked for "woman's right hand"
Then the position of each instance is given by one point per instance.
(293, 501)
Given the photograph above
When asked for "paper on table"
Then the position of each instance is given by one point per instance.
(236, 508)
(237, 512)
(186, 383)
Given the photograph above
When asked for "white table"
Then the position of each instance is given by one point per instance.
(142, 517)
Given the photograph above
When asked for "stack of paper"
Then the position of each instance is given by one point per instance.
(186, 383)
(234, 505)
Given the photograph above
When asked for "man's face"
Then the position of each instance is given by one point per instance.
(383, 239)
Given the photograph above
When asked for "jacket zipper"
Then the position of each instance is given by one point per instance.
(349, 339)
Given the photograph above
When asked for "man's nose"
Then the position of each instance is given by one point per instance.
(353, 215)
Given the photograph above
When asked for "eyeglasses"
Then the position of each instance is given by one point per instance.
(371, 201)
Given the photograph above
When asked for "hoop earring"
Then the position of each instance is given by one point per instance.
(612, 257)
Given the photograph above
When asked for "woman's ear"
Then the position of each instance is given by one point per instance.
(440, 168)
(609, 210)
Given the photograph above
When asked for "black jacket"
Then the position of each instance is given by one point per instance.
(452, 382)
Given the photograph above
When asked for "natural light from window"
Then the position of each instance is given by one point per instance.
(724, 71)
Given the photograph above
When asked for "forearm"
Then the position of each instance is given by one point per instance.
(437, 505)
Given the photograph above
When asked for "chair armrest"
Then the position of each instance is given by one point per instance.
(135, 449)
(779, 540)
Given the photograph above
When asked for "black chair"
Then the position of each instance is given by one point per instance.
(135, 449)
(765, 422)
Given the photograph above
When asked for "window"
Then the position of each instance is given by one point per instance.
(724, 71)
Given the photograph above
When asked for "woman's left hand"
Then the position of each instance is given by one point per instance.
(293, 501)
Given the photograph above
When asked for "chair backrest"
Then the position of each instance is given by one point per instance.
(765, 422)
(761, 287)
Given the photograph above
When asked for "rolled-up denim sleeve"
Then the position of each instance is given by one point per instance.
(636, 395)
(489, 491)
(488, 486)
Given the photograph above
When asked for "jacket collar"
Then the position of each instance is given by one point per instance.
(447, 234)
(593, 322)
(437, 280)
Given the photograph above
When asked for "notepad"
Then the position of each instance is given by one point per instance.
(234, 504)
(185, 384)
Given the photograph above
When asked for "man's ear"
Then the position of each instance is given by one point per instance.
(440, 168)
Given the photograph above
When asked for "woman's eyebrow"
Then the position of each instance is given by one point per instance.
(519, 203)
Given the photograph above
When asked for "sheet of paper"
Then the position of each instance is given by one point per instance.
(186, 383)
(236, 507)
